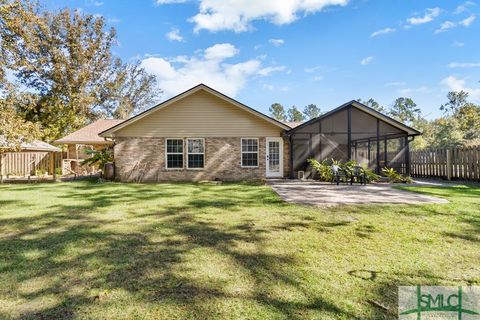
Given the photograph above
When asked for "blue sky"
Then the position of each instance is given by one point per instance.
(298, 52)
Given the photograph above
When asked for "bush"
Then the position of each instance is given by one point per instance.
(98, 157)
(395, 177)
(58, 171)
(324, 169)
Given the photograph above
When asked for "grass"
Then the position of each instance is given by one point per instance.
(181, 251)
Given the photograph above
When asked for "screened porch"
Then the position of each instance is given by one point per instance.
(352, 132)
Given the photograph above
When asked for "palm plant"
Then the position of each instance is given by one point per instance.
(98, 157)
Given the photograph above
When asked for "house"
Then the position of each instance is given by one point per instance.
(202, 134)
(86, 138)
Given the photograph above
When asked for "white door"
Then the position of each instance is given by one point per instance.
(274, 157)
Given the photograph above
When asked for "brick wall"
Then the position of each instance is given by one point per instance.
(222, 161)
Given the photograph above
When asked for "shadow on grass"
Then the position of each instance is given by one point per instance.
(141, 261)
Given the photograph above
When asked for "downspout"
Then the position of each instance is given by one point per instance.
(349, 133)
(378, 146)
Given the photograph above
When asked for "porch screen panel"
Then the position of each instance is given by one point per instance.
(396, 154)
(300, 154)
(334, 137)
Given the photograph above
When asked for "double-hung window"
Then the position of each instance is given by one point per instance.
(174, 153)
(249, 152)
(195, 153)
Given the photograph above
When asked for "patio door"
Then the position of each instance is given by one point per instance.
(274, 157)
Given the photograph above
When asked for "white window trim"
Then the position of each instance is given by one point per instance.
(189, 153)
(242, 152)
(167, 153)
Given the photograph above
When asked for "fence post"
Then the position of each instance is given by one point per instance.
(54, 174)
(449, 164)
(1, 168)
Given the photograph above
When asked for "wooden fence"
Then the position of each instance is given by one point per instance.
(461, 163)
(29, 163)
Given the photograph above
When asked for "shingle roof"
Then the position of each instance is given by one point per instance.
(38, 145)
(35, 145)
(411, 131)
(89, 134)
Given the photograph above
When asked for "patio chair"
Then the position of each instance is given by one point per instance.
(359, 175)
(337, 173)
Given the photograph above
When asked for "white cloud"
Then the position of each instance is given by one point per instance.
(422, 89)
(220, 51)
(313, 69)
(268, 87)
(447, 25)
(382, 32)
(318, 78)
(113, 20)
(396, 84)
(451, 83)
(237, 15)
(269, 70)
(209, 66)
(94, 3)
(174, 35)
(429, 16)
(366, 60)
(458, 44)
(160, 2)
(463, 7)
(463, 65)
(468, 21)
(276, 42)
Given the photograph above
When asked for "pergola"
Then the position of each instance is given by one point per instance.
(352, 131)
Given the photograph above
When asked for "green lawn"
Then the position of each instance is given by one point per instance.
(125, 251)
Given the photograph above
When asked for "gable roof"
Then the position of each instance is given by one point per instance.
(292, 124)
(397, 124)
(90, 134)
(108, 132)
(35, 145)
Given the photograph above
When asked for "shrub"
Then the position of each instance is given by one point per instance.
(324, 169)
(98, 157)
(394, 176)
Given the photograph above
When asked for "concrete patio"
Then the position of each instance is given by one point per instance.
(327, 194)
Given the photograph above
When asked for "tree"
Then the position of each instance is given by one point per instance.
(277, 112)
(295, 115)
(14, 130)
(65, 60)
(373, 104)
(456, 99)
(311, 111)
(404, 110)
(468, 117)
(425, 140)
(446, 133)
(466, 114)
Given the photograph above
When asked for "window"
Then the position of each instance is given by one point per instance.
(196, 153)
(249, 152)
(174, 153)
